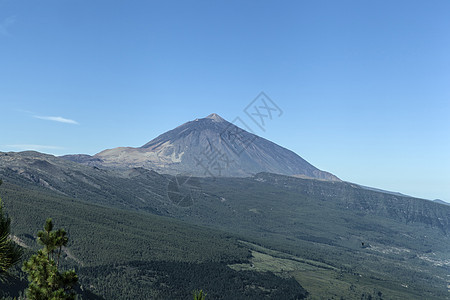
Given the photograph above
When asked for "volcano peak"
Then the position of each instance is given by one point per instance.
(215, 117)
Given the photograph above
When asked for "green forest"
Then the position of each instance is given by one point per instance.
(234, 241)
(122, 254)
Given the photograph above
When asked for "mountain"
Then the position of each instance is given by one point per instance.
(261, 236)
(441, 202)
(208, 147)
(157, 234)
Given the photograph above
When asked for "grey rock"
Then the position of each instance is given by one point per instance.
(208, 147)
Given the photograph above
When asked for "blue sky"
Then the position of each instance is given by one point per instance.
(364, 86)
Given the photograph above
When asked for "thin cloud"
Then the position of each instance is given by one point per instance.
(5, 23)
(57, 119)
(33, 147)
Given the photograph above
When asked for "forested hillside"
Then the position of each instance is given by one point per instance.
(334, 238)
(121, 254)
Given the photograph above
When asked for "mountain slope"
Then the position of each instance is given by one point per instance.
(339, 231)
(129, 255)
(441, 202)
(211, 147)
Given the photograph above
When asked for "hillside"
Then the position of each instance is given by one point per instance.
(122, 254)
(315, 231)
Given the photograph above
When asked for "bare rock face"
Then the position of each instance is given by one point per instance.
(210, 146)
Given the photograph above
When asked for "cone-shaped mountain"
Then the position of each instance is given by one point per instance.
(210, 146)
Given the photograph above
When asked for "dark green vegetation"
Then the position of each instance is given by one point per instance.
(230, 235)
(172, 279)
(46, 281)
(10, 252)
(112, 250)
(199, 295)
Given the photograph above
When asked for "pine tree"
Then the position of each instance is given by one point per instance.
(46, 282)
(10, 252)
(199, 295)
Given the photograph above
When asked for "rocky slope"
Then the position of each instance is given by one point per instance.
(208, 147)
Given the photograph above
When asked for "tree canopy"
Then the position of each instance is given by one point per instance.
(46, 282)
(10, 252)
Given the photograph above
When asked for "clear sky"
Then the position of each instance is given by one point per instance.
(364, 86)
